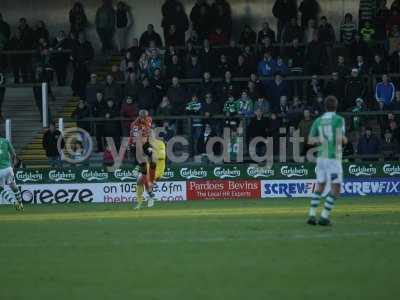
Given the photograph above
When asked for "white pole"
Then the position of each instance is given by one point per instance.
(8, 129)
(45, 106)
(61, 125)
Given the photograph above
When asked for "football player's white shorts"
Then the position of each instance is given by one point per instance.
(6, 176)
(329, 170)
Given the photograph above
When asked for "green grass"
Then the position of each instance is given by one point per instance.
(201, 250)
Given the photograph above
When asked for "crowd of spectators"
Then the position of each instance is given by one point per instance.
(194, 69)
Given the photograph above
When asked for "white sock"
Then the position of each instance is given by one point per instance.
(314, 204)
(328, 206)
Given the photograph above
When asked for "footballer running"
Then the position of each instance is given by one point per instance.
(328, 133)
(8, 159)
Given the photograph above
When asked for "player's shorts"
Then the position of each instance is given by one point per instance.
(160, 168)
(6, 176)
(329, 170)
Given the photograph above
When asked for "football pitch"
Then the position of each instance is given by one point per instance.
(201, 250)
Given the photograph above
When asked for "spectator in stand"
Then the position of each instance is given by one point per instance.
(5, 33)
(127, 64)
(309, 9)
(275, 89)
(2, 93)
(111, 89)
(222, 66)
(175, 69)
(392, 20)
(105, 24)
(61, 59)
(257, 83)
(112, 127)
(390, 148)
(205, 137)
(395, 130)
(171, 37)
(40, 32)
(218, 37)
(359, 48)
(97, 112)
(201, 16)
(231, 106)
(135, 50)
(335, 87)
(258, 128)
(348, 30)
(20, 63)
(210, 108)
(227, 87)
(262, 104)
(50, 145)
(91, 90)
(194, 107)
(165, 108)
(295, 112)
(266, 31)
(189, 52)
(154, 61)
(367, 10)
(129, 112)
(122, 22)
(367, 33)
(304, 129)
(295, 54)
(267, 66)
(248, 36)
(281, 66)
(177, 96)
(361, 66)
(246, 105)
(207, 57)
(131, 87)
(232, 52)
(148, 36)
(368, 144)
(384, 92)
(252, 91)
(194, 68)
(250, 57)
(341, 67)
(147, 97)
(315, 56)
(326, 35)
(379, 66)
(174, 16)
(282, 110)
(117, 74)
(82, 54)
(207, 86)
(314, 87)
(357, 121)
(354, 88)
(318, 107)
(222, 16)
(143, 66)
(266, 45)
(292, 31)
(284, 11)
(309, 31)
(77, 18)
(396, 102)
(81, 114)
(26, 33)
(395, 5)
(157, 81)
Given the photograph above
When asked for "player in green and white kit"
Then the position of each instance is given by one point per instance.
(7, 160)
(328, 133)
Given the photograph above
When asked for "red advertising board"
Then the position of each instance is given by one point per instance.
(223, 189)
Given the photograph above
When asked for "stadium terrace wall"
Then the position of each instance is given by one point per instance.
(86, 185)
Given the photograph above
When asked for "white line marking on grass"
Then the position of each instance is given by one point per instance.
(227, 238)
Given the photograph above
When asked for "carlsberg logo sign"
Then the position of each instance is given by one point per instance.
(256, 172)
(125, 174)
(362, 170)
(29, 176)
(294, 171)
(222, 173)
(92, 175)
(168, 174)
(193, 173)
(391, 170)
(57, 176)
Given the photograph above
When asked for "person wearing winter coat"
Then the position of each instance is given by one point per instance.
(105, 24)
(82, 112)
(129, 111)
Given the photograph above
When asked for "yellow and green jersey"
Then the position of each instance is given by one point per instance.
(5, 153)
(329, 129)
